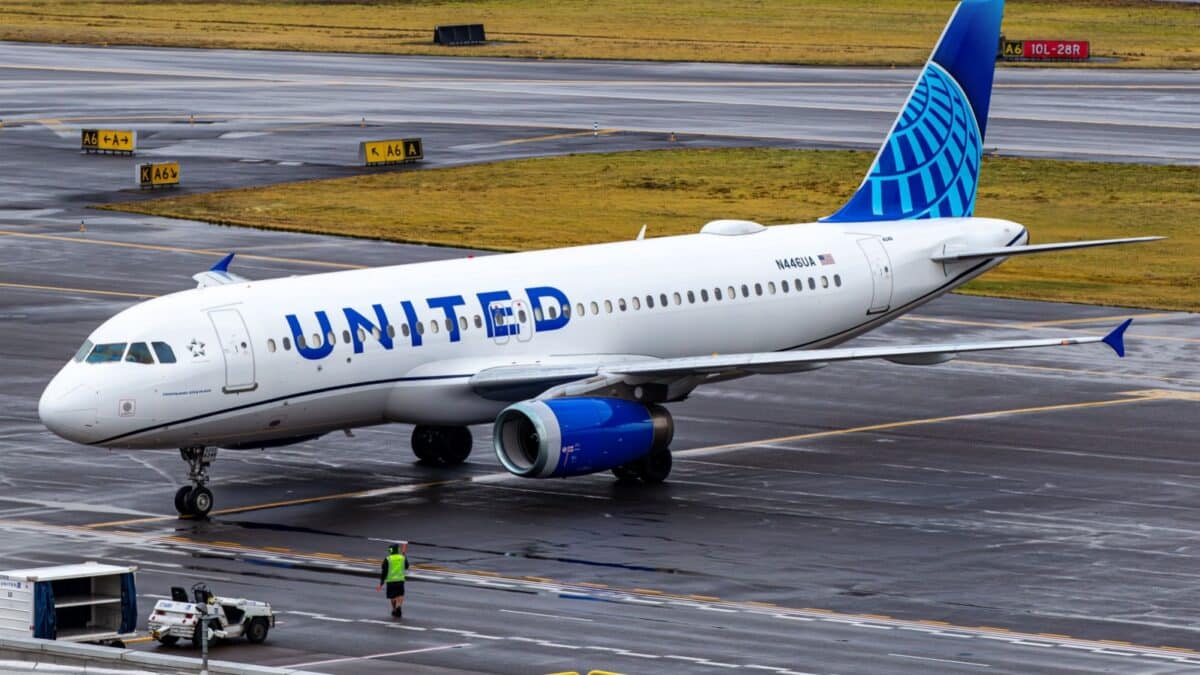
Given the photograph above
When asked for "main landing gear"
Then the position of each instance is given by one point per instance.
(652, 468)
(195, 500)
(441, 446)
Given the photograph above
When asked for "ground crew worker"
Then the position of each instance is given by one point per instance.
(392, 574)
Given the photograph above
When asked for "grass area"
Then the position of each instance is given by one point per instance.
(1140, 33)
(580, 199)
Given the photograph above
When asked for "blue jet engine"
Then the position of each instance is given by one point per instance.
(563, 437)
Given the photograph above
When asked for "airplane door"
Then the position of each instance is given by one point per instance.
(524, 320)
(881, 274)
(236, 348)
(511, 317)
(502, 319)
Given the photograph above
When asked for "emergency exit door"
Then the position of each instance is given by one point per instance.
(236, 348)
(881, 274)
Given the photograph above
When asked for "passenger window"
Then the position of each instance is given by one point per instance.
(433, 326)
(462, 323)
(799, 285)
(537, 314)
(784, 285)
(758, 289)
(824, 281)
(595, 308)
(579, 309)
(107, 353)
(771, 287)
(478, 321)
(621, 304)
(83, 351)
(405, 330)
(391, 331)
(316, 340)
(608, 306)
(717, 293)
(704, 294)
(691, 298)
(552, 312)
(346, 336)
(649, 302)
(745, 291)
(331, 338)
(678, 298)
(637, 304)
(837, 280)
(732, 293)
(164, 352)
(662, 299)
(270, 345)
(139, 353)
(300, 344)
(421, 328)
(812, 284)
(374, 334)
(449, 325)
(287, 347)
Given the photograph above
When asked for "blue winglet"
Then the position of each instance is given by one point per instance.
(222, 265)
(1116, 338)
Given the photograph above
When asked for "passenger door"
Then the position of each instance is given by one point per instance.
(881, 274)
(237, 349)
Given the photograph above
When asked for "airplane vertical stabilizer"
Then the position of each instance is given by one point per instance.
(929, 165)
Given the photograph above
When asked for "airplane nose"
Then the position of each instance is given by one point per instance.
(68, 408)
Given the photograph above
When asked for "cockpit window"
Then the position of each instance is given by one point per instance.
(107, 353)
(139, 353)
(164, 352)
(83, 351)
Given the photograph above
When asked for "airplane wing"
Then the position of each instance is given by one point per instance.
(218, 274)
(952, 255)
(515, 382)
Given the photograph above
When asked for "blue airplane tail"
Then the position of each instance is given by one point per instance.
(929, 165)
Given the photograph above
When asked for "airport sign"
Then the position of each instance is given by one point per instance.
(396, 151)
(107, 140)
(163, 174)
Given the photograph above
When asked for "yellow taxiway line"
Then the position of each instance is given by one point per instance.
(68, 289)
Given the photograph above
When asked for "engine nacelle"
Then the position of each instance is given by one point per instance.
(574, 436)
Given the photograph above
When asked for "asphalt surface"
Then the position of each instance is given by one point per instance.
(1015, 512)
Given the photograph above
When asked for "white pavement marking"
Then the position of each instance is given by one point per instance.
(930, 658)
(379, 656)
(548, 616)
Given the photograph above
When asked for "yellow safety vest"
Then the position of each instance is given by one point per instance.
(395, 567)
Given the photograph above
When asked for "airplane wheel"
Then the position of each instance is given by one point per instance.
(181, 499)
(654, 467)
(441, 446)
(200, 502)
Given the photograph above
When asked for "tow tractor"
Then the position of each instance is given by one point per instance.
(226, 618)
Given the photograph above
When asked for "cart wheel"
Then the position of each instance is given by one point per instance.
(257, 629)
(169, 640)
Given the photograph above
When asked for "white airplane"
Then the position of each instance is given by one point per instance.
(569, 353)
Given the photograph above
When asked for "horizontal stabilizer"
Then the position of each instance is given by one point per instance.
(218, 274)
(951, 255)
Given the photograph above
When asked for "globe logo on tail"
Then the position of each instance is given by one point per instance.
(929, 166)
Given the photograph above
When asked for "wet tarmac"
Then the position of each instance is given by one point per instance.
(1012, 512)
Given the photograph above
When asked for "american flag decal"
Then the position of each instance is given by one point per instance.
(826, 258)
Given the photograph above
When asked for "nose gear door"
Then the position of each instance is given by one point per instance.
(881, 274)
(236, 348)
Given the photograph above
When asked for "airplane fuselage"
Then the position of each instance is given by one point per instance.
(266, 361)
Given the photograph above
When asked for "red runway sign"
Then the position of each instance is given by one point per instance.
(1047, 49)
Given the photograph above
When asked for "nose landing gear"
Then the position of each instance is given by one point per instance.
(196, 500)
